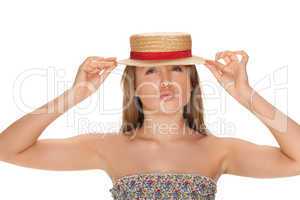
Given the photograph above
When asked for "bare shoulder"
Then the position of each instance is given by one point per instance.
(220, 147)
(218, 141)
(108, 143)
(111, 138)
(224, 143)
(110, 147)
(107, 139)
(210, 138)
(80, 152)
(231, 147)
(216, 145)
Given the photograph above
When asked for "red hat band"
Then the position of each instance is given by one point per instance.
(160, 55)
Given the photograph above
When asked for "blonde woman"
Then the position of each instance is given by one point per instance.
(163, 149)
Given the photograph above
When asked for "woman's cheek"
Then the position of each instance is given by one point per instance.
(148, 94)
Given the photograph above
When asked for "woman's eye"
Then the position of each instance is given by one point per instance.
(177, 68)
(149, 71)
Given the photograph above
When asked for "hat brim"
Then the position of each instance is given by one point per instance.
(179, 61)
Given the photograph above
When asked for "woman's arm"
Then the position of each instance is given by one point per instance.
(246, 158)
(24, 132)
(249, 159)
(19, 142)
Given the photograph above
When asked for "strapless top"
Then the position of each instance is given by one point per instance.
(164, 186)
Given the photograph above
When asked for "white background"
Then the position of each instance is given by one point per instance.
(42, 43)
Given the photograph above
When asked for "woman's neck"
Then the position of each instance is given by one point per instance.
(164, 127)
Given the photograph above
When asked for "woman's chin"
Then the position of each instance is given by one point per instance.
(166, 105)
(170, 105)
(167, 108)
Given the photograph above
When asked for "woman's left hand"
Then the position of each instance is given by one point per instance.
(233, 75)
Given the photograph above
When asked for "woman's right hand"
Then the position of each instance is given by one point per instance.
(91, 73)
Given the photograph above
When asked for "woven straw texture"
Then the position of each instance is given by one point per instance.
(161, 42)
(158, 42)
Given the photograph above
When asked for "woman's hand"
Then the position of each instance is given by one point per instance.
(233, 75)
(91, 73)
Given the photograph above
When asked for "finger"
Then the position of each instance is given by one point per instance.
(93, 67)
(104, 74)
(101, 72)
(227, 59)
(103, 64)
(244, 55)
(228, 56)
(233, 57)
(114, 61)
(90, 58)
(96, 70)
(88, 69)
(224, 60)
(218, 65)
(94, 60)
(111, 58)
(213, 68)
(219, 55)
(108, 64)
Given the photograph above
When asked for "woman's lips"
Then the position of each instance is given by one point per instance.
(166, 96)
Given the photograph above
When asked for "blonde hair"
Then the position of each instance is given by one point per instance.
(133, 116)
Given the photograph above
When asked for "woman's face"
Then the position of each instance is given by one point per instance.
(150, 87)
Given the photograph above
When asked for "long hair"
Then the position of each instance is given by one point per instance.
(133, 116)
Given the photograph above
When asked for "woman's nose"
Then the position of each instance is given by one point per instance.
(165, 83)
(165, 75)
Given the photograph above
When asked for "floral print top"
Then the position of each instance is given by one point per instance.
(164, 186)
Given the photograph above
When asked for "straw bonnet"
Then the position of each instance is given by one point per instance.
(161, 48)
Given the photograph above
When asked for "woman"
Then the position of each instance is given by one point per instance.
(163, 149)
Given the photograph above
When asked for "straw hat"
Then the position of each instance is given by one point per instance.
(161, 48)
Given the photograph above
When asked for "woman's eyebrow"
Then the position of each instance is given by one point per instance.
(154, 67)
(147, 68)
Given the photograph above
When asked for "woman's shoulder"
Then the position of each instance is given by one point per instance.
(221, 143)
(108, 137)
(108, 141)
(215, 141)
